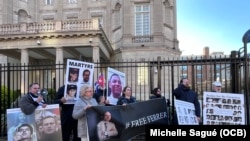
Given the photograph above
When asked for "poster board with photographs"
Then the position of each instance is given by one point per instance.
(223, 109)
(185, 113)
(115, 85)
(34, 127)
(78, 74)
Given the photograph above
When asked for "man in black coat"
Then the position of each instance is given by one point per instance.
(69, 124)
(184, 93)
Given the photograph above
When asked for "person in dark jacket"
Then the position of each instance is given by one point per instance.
(30, 101)
(156, 93)
(100, 92)
(184, 93)
(100, 96)
(126, 97)
(68, 123)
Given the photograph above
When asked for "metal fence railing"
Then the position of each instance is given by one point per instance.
(141, 75)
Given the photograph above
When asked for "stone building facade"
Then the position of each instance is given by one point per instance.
(33, 31)
(132, 28)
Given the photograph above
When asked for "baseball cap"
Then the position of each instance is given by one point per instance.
(71, 87)
(73, 70)
(217, 84)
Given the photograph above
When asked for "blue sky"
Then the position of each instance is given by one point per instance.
(218, 24)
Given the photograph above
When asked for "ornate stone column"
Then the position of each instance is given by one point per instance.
(24, 73)
(96, 60)
(59, 68)
(96, 53)
(24, 56)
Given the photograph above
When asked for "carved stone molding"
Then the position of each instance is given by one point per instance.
(96, 8)
(96, 14)
(140, 1)
(71, 9)
(48, 11)
(72, 15)
(48, 17)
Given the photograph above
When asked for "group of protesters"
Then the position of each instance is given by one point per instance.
(73, 116)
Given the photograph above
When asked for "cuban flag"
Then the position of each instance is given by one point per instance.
(101, 80)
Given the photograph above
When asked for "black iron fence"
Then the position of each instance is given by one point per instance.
(141, 75)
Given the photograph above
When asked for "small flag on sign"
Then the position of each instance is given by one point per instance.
(101, 80)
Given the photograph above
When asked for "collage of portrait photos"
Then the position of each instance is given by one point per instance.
(185, 113)
(44, 124)
(223, 109)
(78, 73)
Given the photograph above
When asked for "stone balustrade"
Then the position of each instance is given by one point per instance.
(142, 38)
(50, 26)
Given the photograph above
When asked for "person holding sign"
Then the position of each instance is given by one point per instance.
(184, 93)
(101, 91)
(156, 93)
(126, 97)
(68, 123)
(79, 112)
(216, 87)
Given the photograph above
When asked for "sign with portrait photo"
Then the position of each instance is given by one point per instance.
(15, 119)
(78, 74)
(34, 127)
(116, 82)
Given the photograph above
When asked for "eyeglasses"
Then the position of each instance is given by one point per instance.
(89, 91)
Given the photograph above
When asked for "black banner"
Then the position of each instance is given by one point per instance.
(129, 120)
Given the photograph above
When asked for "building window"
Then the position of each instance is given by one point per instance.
(199, 75)
(184, 75)
(48, 2)
(72, 1)
(22, 16)
(217, 74)
(142, 72)
(184, 68)
(199, 67)
(217, 67)
(142, 20)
